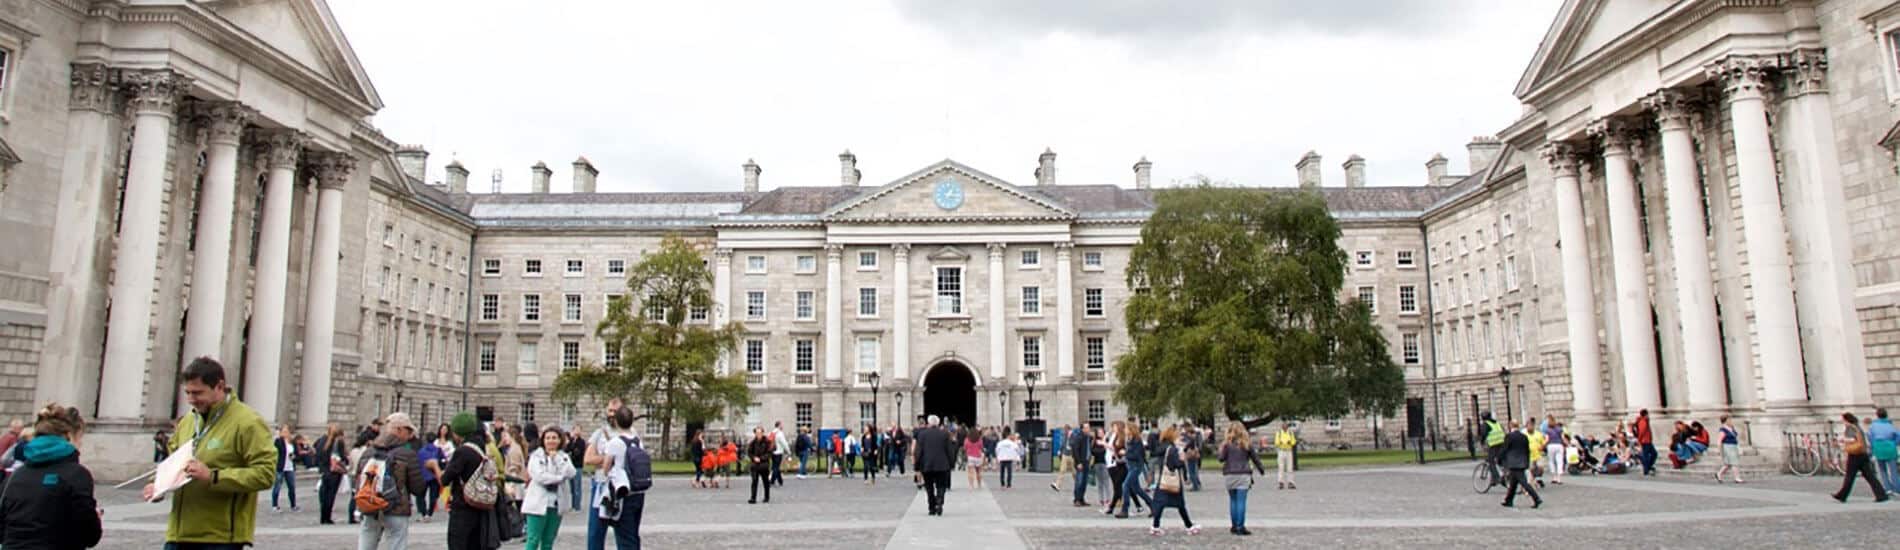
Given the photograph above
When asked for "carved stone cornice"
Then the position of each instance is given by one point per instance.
(834, 251)
(722, 256)
(280, 148)
(996, 250)
(1675, 109)
(1803, 72)
(95, 87)
(332, 169)
(1618, 135)
(154, 91)
(902, 251)
(1562, 157)
(224, 121)
(1742, 76)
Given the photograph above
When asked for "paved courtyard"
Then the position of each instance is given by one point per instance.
(1414, 506)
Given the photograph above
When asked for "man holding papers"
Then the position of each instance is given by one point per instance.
(230, 459)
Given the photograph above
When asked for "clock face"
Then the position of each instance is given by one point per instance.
(949, 194)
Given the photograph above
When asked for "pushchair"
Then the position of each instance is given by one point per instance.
(1583, 456)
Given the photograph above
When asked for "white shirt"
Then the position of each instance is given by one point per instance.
(611, 451)
(1008, 451)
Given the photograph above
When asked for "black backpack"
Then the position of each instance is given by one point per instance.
(639, 466)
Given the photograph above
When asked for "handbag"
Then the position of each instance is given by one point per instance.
(513, 525)
(1170, 480)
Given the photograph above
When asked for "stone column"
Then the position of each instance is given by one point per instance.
(153, 97)
(1823, 255)
(1586, 363)
(1065, 310)
(211, 262)
(900, 301)
(1635, 329)
(333, 172)
(1695, 286)
(263, 358)
(722, 300)
(834, 311)
(69, 361)
(1777, 336)
(997, 341)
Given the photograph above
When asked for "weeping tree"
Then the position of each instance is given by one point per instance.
(665, 362)
(1237, 313)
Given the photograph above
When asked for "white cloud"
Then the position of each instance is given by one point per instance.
(676, 95)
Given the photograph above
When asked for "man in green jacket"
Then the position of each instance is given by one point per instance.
(234, 459)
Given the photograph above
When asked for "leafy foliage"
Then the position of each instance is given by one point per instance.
(1237, 313)
(665, 361)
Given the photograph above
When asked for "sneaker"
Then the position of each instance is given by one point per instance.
(1124, 515)
(1195, 530)
(1290, 486)
(1242, 531)
(1537, 504)
(1155, 531)
(276, 510)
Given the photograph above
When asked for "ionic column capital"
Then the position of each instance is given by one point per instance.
(154, 91)
(722, 256)
(1675, 109)
(834, 251)
(996, 250)
(1617, 134)
(1803, 72)
(95, 87)
(1742, 76)
(902, 250)
(281, 148)
(1562, 157)
(333, 169)
(224, 121)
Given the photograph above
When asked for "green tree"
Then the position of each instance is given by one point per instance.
(1237, 313)
(665, 362)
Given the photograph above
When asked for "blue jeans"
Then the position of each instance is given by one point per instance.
(287, 481)
(627, 528)
(1194, 473)
(802, 457)
(1648, 458)
(574, 489)
(377, 529)
(1081, 483)
(1237, 507)
(1889, 471)
(1131, 486)
(596, 528)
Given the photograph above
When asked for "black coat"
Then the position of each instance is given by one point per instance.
(62, 515)
(1517, 451)
(936, 452)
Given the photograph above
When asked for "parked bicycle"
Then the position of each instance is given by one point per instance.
(1812, 453)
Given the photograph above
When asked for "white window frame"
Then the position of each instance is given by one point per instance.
(1405, 259)
(491, 267)
(1504, 226)
(610, 355)
(1095, 353)
(486, 356)
(940, 295)
(1094, 303)
(616, 268)
(1365, 259)
(570, 354)
(1032, 353)
(1368, 295)
(870, 351)
(870, 255)
(1409, 348)
(571, 308)
(804, 305)
(1510, 272)
(804, 355)
(530, 307)
(491, 307)
(867, 302)
(805, 264)
(755, 310)
(607, 304)
(1097, 410)
(1408, 305)
(527, 357)
(576, 268)
(1031, 303)
(755, 355)
(755, 264)
(1029, 258)
(1092, 261)
(531, 268)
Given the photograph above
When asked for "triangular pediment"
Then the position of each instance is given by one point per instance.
(1581, 28)
(948, 191)
(949, 254)
(306, 32)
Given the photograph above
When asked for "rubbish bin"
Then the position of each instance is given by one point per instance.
(1040, 460)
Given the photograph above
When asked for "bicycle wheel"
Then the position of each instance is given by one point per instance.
(1803, 462)
(1481, 478)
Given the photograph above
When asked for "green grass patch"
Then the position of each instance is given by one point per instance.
(1313, 460)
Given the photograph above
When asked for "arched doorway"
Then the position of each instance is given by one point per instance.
(950, 393)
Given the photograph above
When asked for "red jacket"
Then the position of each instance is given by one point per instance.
(1642, 431)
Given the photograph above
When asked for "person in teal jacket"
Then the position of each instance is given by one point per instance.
(1884, 441)
(233, 461)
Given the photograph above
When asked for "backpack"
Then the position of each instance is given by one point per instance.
(376, 487)
(479, 491)
(639, 466)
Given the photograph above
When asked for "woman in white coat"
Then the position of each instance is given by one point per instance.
(549, 468)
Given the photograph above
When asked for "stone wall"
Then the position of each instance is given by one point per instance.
(19, 369)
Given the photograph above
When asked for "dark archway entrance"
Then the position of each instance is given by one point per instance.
(950, 393)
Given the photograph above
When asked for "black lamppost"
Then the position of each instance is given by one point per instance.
(899, 396)
(1504, 376)
(1002, 406)
(874, 377)
(1029, 379)
(399, 385)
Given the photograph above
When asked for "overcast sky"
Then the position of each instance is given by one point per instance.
(675, 96)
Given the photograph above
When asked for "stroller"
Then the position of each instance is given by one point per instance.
(1582, 457)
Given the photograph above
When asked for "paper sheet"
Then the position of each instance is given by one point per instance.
(171, 473)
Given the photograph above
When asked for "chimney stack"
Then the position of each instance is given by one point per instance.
(1046, 167)
(1435, 169)
(584, 174)
(1355, 171)
(414, 161)
(541, 176)
(458, 177)
(848, 169)
(1482, 150)
(752, 172)
(1308, 166)
(1143, 170)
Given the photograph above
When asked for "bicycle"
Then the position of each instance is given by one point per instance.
(1481, 477)
(1810, 454)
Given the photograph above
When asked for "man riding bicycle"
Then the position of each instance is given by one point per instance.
(1493, 435)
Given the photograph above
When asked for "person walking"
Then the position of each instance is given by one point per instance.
(334, 454)
(1112, 454)
(576, 455)
(696, 454)
(780, 446)
(803, 448)
(1516, 458)
(431, 455)
(629, 504)
(1859, 460)
(936, 455)
(1883, 442)
(595, 456)
(973, 458)
(1009, 452)
(1065, 464)
(1134, 464)
(1081, 451)
(1195, 440)
(869, 447)
(1238, 462)
(218, 506)
(1556, 459)
(389, 461)
(48, 501)
(286, 468)
(549, 468)
(468, 524)
(1731, 452)
(852, 447)
(758, 454)
(1284, 442)
(1646, 442)
(1171, 482)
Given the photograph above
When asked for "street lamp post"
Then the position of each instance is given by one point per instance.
(899, 396)
(398, 404)
(1029, 379)
(1504, 376)
(1002, 406)
(874, 378)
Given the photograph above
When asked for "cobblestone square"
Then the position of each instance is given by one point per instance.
(1413, 506)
